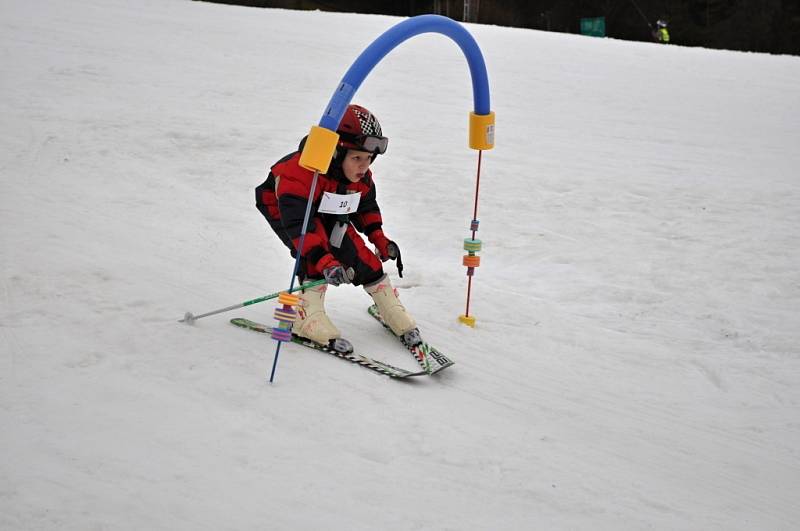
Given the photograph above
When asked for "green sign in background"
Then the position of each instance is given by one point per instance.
(594, 27)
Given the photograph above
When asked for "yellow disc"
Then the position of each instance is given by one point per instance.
(288, 298)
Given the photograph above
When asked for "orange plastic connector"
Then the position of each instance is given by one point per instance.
(471, 260)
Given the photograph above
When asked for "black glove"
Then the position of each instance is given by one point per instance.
(388, 250)
(337, 274)
(392, 250)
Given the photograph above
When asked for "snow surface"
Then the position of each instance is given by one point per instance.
(636, 360)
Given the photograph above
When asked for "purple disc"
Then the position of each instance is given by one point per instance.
(279, 334)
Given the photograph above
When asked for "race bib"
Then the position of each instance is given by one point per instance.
(339, 203)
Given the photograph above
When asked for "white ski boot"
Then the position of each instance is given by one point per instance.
(393, 312)
(313, 323)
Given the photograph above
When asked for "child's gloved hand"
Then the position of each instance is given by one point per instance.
(387, 250)
(392, 250)
(337, 274)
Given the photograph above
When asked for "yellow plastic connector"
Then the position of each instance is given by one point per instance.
(319, 149)
(467, 320)
(481, 130)
(289, 299)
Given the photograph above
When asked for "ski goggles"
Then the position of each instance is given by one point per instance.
(373, 144)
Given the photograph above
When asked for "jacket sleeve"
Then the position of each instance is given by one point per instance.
(292, 191)
(368, 219)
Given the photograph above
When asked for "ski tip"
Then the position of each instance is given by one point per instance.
(440, 368)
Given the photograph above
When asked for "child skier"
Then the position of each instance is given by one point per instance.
(332, 248)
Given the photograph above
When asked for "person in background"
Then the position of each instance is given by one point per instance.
(661, 33)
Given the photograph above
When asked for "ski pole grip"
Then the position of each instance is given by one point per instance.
(319, 149)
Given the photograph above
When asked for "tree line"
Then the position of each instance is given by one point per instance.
(771, 26)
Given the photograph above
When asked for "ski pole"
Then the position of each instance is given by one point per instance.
(190, 318)
(642, 13)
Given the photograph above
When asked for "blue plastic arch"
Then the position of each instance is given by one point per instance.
(393, 37)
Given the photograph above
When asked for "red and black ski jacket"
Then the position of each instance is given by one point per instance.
(282, 200)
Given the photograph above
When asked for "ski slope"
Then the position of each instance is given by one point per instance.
(635, 363)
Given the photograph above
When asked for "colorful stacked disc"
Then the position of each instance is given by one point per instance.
(471, 260)
(286, 316)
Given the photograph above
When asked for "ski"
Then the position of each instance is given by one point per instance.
(364, 361)
(430, 359)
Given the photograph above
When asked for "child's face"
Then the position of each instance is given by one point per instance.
(356, 164)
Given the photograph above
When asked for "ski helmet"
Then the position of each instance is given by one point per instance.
(661, 23)
(360, 129)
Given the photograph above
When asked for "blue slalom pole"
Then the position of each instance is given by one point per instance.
(297, 261)
(388, 41)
